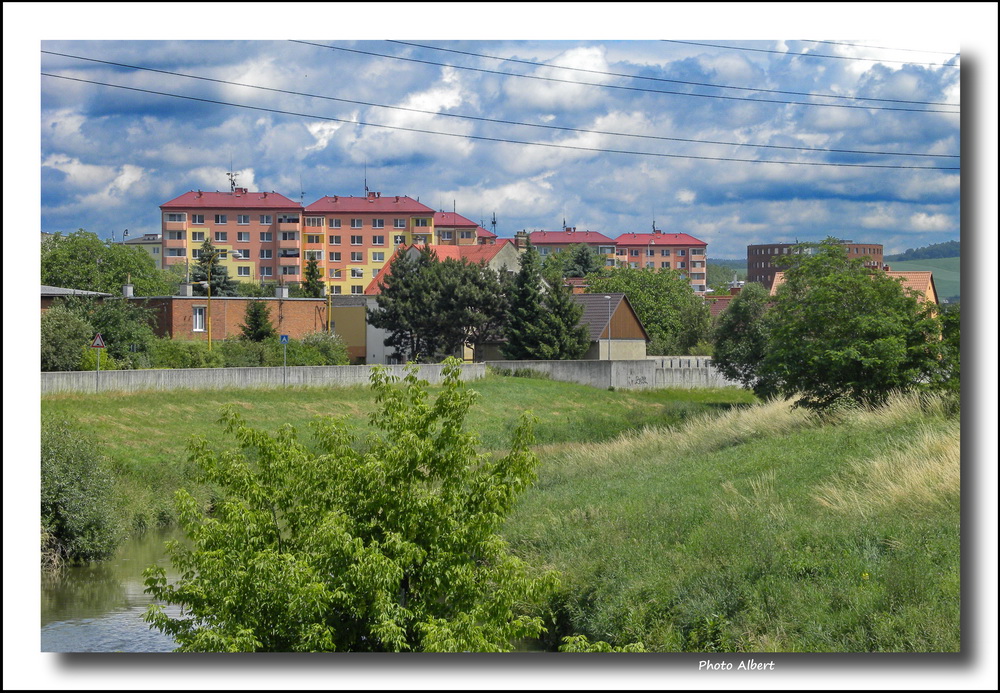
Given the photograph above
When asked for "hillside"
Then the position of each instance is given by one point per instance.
(929, 252)
(946, 274)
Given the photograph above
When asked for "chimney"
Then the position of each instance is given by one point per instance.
(520, 239)
(334, 198)
(281, 291)
(185, 289)
(199, 193)
(128, 290)
(397, 198)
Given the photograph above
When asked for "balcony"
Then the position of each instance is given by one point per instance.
(174, 226)
(289, 244)
(174, 243)
(289, 226)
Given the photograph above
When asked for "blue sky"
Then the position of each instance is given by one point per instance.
(110, 156)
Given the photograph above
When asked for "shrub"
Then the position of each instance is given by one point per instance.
(169, 353)
(77, 496)
(63, 333)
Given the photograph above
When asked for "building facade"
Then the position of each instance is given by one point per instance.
(671, 251)
(549, 242)
(766, 259)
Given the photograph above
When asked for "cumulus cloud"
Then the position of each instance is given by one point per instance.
(922, 221)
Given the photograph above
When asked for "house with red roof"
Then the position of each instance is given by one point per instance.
(660, 250)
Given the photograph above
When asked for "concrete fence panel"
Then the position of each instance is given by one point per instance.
(640, 374)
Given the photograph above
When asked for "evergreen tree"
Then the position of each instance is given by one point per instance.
(567, 338)
(313, 285)
(257, 325)
(221, 283)
(526, 320)
(402, 303)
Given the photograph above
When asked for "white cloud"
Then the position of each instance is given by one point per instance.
(686, 196)
(922, 221)
(562, 95)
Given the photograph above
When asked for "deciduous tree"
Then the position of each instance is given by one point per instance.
(740, 338)
(81, 260)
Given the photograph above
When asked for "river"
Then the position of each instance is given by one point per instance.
(98, 607)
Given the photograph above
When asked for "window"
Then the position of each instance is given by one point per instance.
(313, 238)
(175, 252)
(399, 223)
(198, 319)
(266, 254)
(701, 251)
(446, 235)
(466, 234)
(357, 273)
(316, 255)
(697, 263)
(314, 221)
(266, 271)
(543, 251)
(421, 222)
(682, 253)
(266, 219)
(289, 235)
(398, 240)
(335, 290)
(221, 236)
(355, 223)
(357, 289)
(334, 240)
(243, 219)
(335, 273)
(288, 218)
(375, 272)
(242, 271)
(334, 223)
(378, 257)
(156, 251)
(176, 235)
(220, 218)
(681, 265)
(665, 265)
(198, 236)
(650, 265)
(266, 236)
(334, 257)
(698, 275)
(197, 218)
(357, 240)
(196, 253)
(378, 240)
(650, 252)
(289, 269)
(665, 252)
(288, 252)
(243, 236)
(357, 257)
(175, 216)
(634, 253)
(378, 223)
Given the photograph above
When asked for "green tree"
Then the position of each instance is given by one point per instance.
(675, 317)
(80, 260)
(64, 332)
(125, 325)
(741, 337)
(840, 331)
(312, 287)
(391, 547)
(576, 260)
(208, 261)
(257, 325)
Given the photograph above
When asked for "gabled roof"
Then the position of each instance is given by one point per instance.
(660, 238)
(453, 220)
(921, 282)
(567, 237)
(231, 200)
(472, 253)
(483, 233)
(373, 203)
(595, 312)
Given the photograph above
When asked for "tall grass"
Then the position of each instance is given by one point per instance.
(760, 529)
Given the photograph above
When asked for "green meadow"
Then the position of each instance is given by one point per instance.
(687, 520)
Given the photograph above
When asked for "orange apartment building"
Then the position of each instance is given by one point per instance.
(672, 251)
(548, 242)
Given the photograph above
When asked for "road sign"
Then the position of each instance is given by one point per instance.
(98, 342)
(284, 339)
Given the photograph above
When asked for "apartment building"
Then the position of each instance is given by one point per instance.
(353, 238)
(672, 251)
(258, 235)
(454, 229)
(548, 242)
(152, 243)
(766, 259)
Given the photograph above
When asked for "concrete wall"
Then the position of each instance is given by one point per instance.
(640, 374)
(221, 378)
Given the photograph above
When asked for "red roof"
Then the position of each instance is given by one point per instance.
(472, 253)
(373, 203)
(483, 233)
(659, 238)
(567, 237)
(452, 219)
(231, 200)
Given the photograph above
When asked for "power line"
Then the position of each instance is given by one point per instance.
(805, 55)
(672, 81)
(494, 139)
(621, 87)
(495, 120)
(881, 48)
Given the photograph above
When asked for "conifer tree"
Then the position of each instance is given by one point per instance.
(313, 285)
(221, 283)
(257, 325)
(526, 320)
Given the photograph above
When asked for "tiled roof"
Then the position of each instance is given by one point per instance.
(374, 203)
(718, 304)
(644, 239)
(567, 237)
(483, 233)
(472, 253)
(452, 219)
(921, 282)
(231, 200)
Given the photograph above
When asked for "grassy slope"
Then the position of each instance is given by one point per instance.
(946, 273)
(760, 530)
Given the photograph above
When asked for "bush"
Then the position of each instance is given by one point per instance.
(329, 346)
(63, 333)
(169, 353)
(88, 360)
(79, 520)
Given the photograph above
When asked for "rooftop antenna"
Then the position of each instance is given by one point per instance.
(366, 177)
(564, 223)
(232, 176)
(302, 193)
(494, 223)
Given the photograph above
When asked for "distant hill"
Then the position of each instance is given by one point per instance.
(929, 252)
(946, 274)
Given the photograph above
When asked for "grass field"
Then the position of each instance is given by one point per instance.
(688, 520)
(946, 271)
